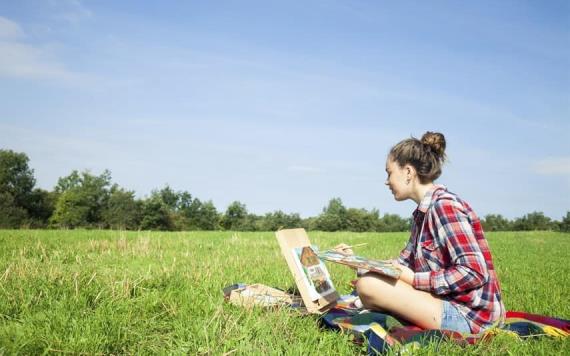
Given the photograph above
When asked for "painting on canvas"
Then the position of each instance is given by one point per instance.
(316, 276)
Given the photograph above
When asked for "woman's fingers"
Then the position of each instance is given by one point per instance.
(344, 249)
(341, 246)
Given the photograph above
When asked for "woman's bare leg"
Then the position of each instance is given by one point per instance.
(378, 292)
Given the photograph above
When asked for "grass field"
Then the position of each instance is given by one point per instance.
(111, 292)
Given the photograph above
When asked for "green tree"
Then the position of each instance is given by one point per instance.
(393, 223)
(309, 223)
(174, 200)
(16, 186)
(565, 223)
(533, 221)
(82, 199)
(496, 222)
(188, 212)
(333, 217)
(279, 220)
(186, 202)
(235, 217)
(11, 215)
(198, 215)
(123, 211)
(252, 222)
(169, 197)
(180, 206)
(156, 215)
(16, 177)
(360, 220)
(71, 210)
(41, 207)
(206, 217)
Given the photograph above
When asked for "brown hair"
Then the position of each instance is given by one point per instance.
(426, 155)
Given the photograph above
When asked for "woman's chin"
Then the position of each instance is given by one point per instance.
(397, 197)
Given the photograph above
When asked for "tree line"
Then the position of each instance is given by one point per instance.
(85, 200)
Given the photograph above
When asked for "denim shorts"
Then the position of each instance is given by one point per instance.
(452, 319)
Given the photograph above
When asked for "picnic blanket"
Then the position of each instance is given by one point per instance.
(385, 332)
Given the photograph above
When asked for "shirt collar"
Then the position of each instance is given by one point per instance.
(428, 197)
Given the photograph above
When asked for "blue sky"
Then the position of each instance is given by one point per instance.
(285, 105)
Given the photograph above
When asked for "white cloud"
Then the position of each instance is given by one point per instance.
(19, 59)
(25, 61)
(9, 29)
(552, 166)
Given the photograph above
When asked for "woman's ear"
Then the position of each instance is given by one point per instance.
(410, 171)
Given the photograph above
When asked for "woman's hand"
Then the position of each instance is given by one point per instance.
(407, 274)
(344, 249)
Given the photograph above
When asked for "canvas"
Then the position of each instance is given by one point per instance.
(310, 273)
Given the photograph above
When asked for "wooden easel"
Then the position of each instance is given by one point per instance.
(288, 240)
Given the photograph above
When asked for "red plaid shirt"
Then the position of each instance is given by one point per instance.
(451, 259)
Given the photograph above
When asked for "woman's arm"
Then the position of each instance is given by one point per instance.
(468, 269)
(407, 274)
(406, 254)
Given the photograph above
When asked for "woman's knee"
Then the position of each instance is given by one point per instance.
(368, 289)
(363, 286)
(372, 289)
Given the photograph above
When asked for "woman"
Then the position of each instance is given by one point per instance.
(448, 280)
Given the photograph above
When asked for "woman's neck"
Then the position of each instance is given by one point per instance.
(420, 191)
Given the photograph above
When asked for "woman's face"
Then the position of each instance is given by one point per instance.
(398, 180)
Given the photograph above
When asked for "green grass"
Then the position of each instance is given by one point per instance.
(110, 292)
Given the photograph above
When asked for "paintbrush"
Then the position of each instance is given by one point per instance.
(347, 247)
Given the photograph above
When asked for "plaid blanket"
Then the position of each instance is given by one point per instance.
(385, 332)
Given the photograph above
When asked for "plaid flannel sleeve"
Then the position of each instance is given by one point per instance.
(406, 253)
(468, 269)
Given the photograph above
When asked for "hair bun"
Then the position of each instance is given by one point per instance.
(436, 142)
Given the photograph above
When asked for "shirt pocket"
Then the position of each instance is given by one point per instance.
(432, 254)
